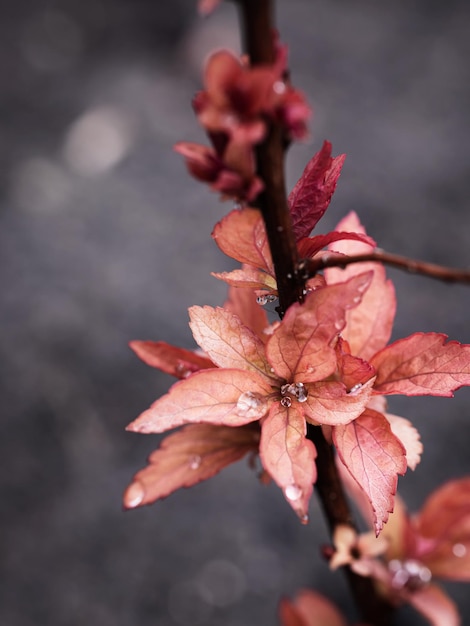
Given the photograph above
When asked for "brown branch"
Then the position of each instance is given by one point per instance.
(257, 27)
(311, 267)
(256, 16)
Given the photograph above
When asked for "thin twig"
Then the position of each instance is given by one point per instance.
(311, 267)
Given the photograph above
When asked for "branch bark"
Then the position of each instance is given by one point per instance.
(257, 28)
(311, 267)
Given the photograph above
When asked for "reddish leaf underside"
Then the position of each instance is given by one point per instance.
(300, 347)
(192, 454)
(374, 457)
(422, 364)
(209, 396)
(435, 605)
(171, 360)
(309, 246)
(241, 235)
(369, 325)
(288, 456)
(312, 193)
(242, 302)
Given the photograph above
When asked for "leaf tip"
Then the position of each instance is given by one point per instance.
(134, 495)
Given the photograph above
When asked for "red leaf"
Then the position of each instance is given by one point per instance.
(299, 348)
(435, 605)
(288, 456)
(171, 360)
(185, 458)
(216, 396)
(242, 236)
(369, 325)
(242, 302)
(374, 457)
(444, 523)
(422, 364)
(312, 193)
(310, 609)
(227, 341)
(329, 403)
(309, 246)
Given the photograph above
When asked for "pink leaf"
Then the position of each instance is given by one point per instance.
(288, 456)
(329, 403)
(300, 347)
(422, 364)
(435, 605)
(242, 236)
(374, 457)
(216, 396)
(310, 609)
(369, 325)
(242, 302)
(194, 453)
(171, 360)
(409, 436)
(312, 193)
(444, 524)
(227, 341)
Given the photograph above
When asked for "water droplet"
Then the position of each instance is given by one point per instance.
(293, 492)
(411, 573)
(355, 389)
(134, 495)
(459, 550)
(195, 462)
(265, 299)
(289, 275)
(304, 519)
(251, 404)
(286, 402)
(339, 324)
(297, 390)
(182, 371)
(279, 87)
(356, 299)
(310, 369)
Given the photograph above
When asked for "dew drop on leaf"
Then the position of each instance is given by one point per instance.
(195, 462)
(459, 550)
(355, 389)
(293, 492)
(134, 495)
(286, 402)
(251, 404)
(266, 299)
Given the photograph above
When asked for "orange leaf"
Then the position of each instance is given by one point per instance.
(422, 364)
(242, 236)
(288, 456)
(330, 403)
(369, 325)
(374, 457)
(216, 396)
(227, 341)
(194, 453)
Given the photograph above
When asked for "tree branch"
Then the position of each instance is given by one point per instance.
(310, 267)
(257, 28)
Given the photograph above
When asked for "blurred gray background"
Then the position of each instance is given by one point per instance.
(104, 238)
